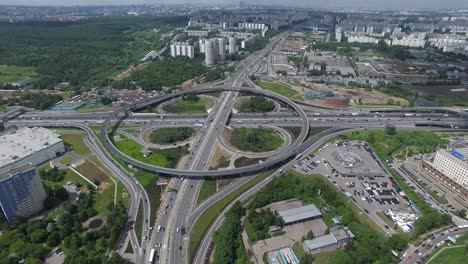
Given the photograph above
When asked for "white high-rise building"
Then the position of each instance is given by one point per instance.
(232, 45)
(221, 51)
(182, 49)
(215, 51)
(451, 167)
(338, 34)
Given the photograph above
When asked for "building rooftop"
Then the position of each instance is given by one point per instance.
(272, 258)
(299, 213)
(320, 242)
(8, 174)
(24, 142)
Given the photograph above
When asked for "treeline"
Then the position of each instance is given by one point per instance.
(369, 246)
(260, 223)
(346, 49)
(229, 248)
(40, 101)
(166, 72)
(257, 104)
(81, 53)
(31, 240)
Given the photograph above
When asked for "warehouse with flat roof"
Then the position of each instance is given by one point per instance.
(337, 238)
(29, 145)
(300, 214)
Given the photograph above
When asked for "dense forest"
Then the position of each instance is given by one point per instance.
(40, 101)
(166, 72)
(81, 53)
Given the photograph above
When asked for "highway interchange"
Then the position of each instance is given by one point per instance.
(177, 211)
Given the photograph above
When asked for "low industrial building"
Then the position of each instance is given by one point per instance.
(29, 145)
(337, 238)
(300, 214)
(21, 192)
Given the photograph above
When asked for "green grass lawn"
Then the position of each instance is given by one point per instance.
(386, 147)
(189, 107)
(76, 143)
(139, 222)
(298, 250)
(66, 160)
(205, 219)
(132, 149)
(255, 139)
(279, 88)
(159, 157)
(15, 73)
(171, 135)
(69, 177)
(452, 100)
(207, 189)
(450, 256)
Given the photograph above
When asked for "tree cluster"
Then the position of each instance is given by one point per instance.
(261, 221)
(369, 245)
(53, 174)
(215, 74)
(228, 241)
(33, 239)
(191, 97)
(40, 101)
(171, 135)
(257, 104)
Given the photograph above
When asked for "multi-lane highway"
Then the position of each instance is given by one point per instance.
(177, 213)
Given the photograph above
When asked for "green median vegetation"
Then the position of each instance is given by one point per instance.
(189, 105)
(148, 181)
(257, 104)
(159, 157)
(205, 219)
(207, 189)
(170, 135)
(255, 139)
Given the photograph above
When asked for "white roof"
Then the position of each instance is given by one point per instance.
(300, 213)
(24, 142)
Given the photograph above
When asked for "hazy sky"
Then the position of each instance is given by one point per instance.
(399, 4)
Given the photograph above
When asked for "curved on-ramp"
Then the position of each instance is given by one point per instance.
(288, 152)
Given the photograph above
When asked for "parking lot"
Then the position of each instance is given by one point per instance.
(353, 169)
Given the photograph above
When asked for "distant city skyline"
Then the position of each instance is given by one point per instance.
(375, 4)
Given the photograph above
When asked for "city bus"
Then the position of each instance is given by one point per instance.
(151, 256)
